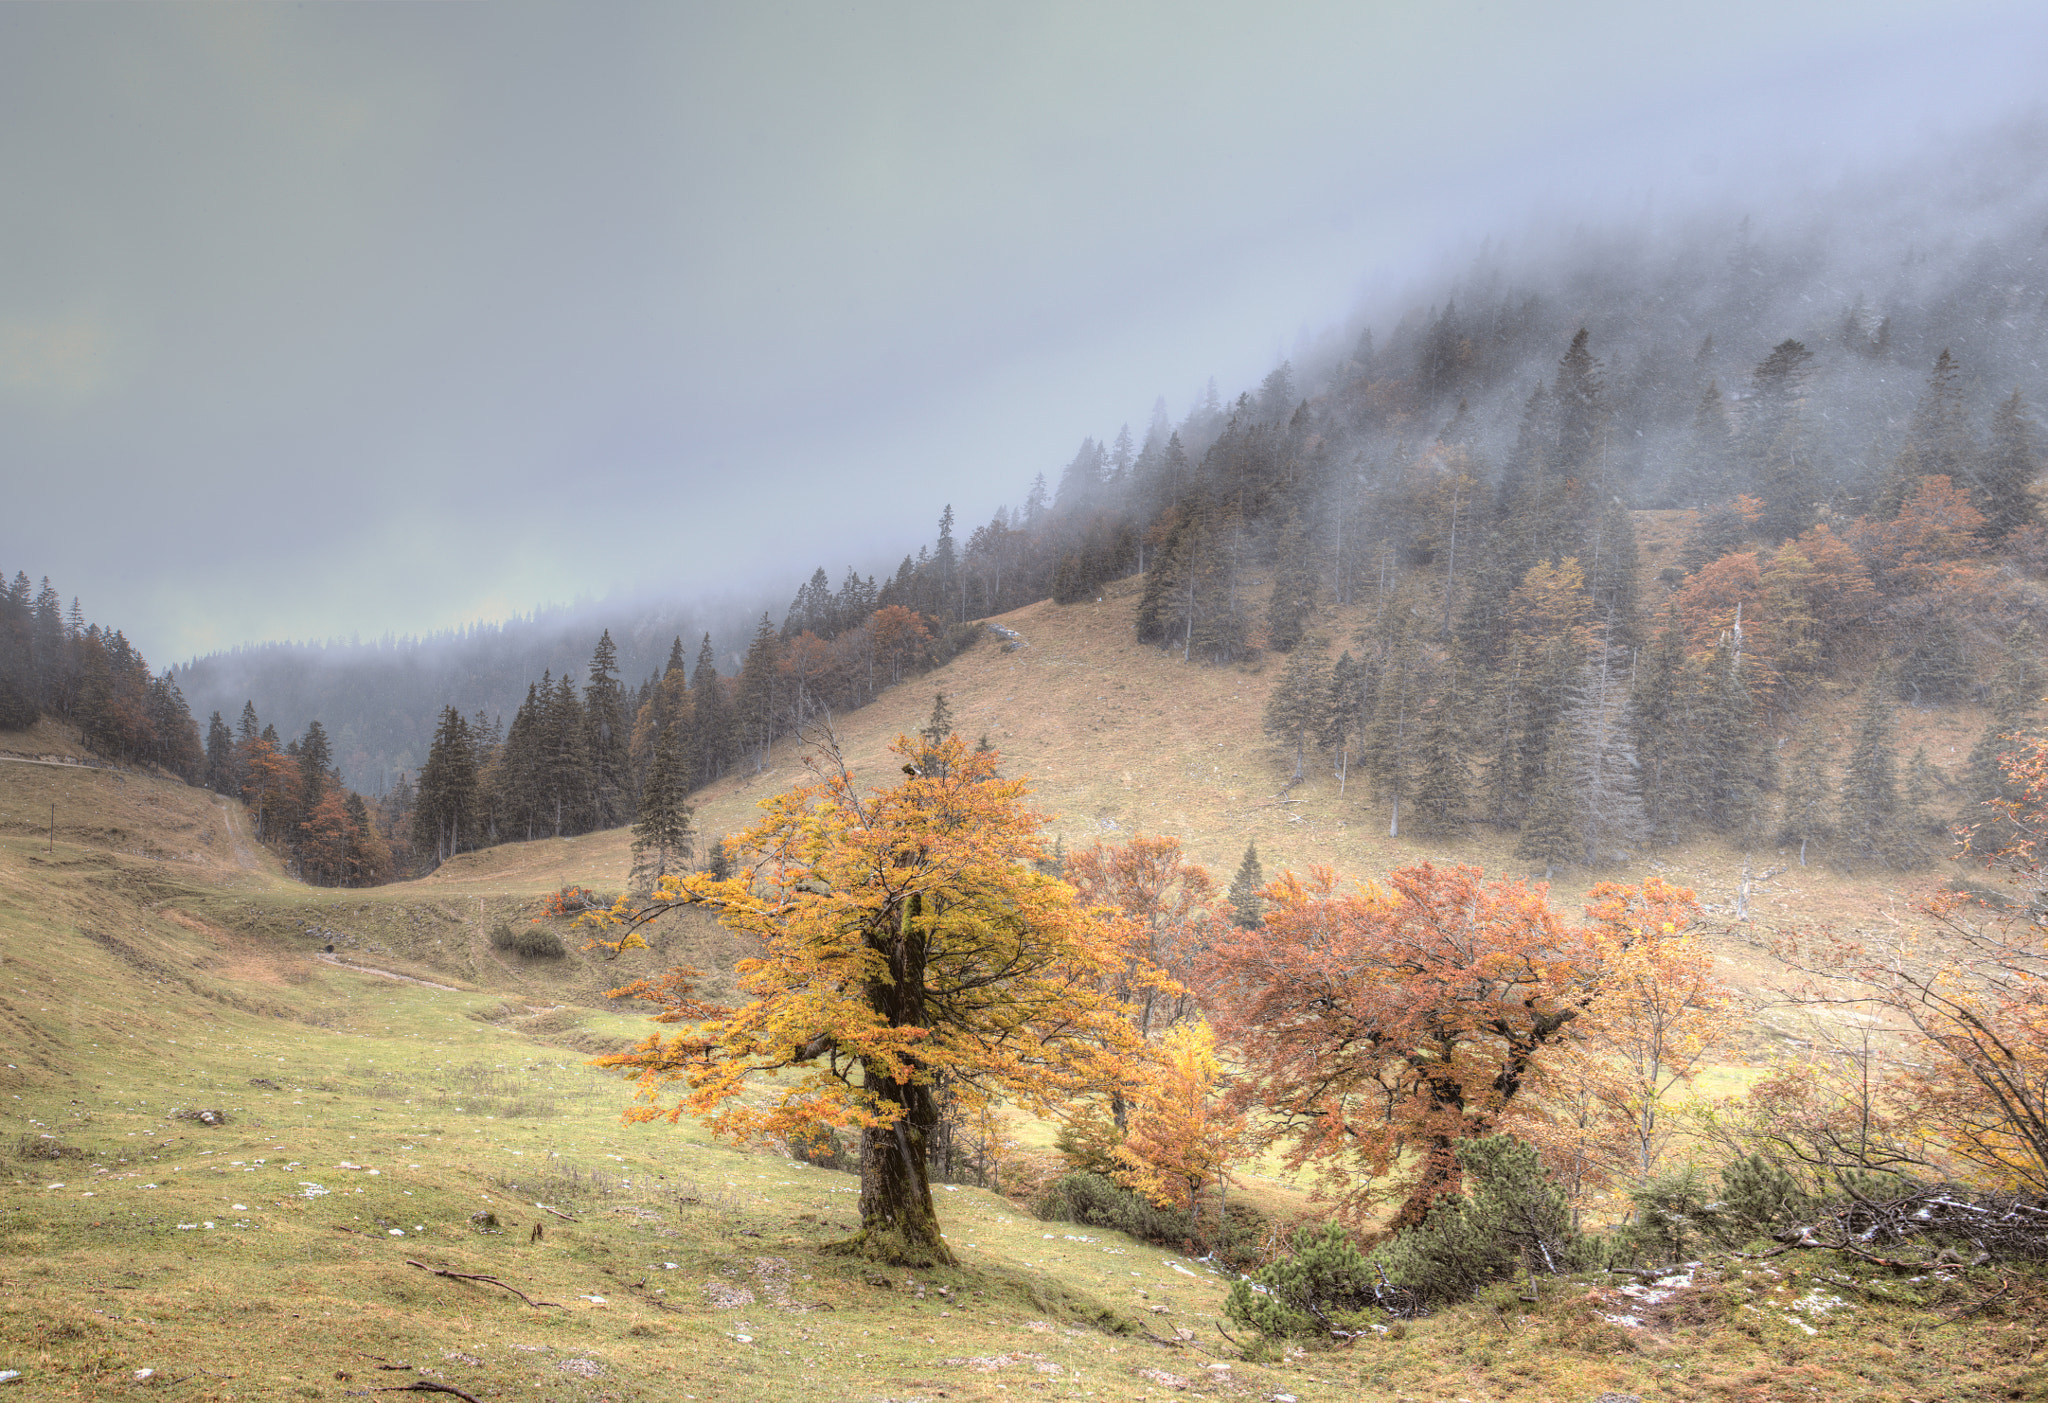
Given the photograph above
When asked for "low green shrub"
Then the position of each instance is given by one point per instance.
(1100, 1202)
(1323, 1285)
(1512, 1219)
(534, 942)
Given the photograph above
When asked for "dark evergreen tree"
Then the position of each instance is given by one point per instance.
(756, 714)
(1657, 722)
(1293, 601)
(1728, 774)
(1871, 808)
(1441, 806)
(1809, 812)
(1390, 732)
(565, 758)
(1295, 708)
(221, 775)
(1775, 442)
(1612, 576)
(2005, 480)
(442, 810)
(1580, 396)
(316, 757)
(1553, 833)
(1708, 471)
(714, 716)
(605, 737)
(1247, 906)
(662, 837)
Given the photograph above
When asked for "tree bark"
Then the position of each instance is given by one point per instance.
(898, 1222)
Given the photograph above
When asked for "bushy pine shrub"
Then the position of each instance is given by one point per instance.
(1100, 1202)
(1324, 1284)
(1512, 1218)
(534, 942)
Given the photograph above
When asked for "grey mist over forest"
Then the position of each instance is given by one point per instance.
(367, 321)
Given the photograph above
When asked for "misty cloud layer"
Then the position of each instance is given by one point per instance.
(380, 319)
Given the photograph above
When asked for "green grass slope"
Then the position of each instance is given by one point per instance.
(252, 1166)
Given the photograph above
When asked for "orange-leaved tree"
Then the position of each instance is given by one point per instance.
(907, 941)
(1377, 1028)
(1182, 1135)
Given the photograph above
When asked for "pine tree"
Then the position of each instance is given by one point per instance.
(662, 837)
(1774, 440)
(1247, 906)
(1608, 785)
(220, 757)
(1293, 601)
(565, 758)
(1810, 808)
(714, 716)
(443, 811)
(605, 736)
(1389, 734)
(315, 757)
(2005, 479)
(1924, 787)
(1656, 720)
(756, 711)
(1938, 439)
(1554, 832)
(1727, 776)
(1580, 393)
(1442, 777)
(1870, 786)
(1295, 709)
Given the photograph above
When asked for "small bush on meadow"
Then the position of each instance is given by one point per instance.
(534, 942)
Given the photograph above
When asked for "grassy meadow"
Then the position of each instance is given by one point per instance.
(238, 1163)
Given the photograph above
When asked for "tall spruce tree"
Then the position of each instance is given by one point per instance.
(605, 737)
(1728, 774)
(662, 836)
(1809, 812)
(1295, 710)
(220, 758)
(2004, 481)
(758, 694)
(1871, 807)
(442, 815)
(1293, 601)
(714, 716)
(1442, 801)
(1657, 716)
(565, 758)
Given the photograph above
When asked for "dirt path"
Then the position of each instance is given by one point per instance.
(327, 959)
(241, 850)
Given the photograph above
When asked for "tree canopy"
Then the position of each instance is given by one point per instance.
(908, 945)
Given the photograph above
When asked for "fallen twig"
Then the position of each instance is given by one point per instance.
(567, 1218)
(487, 1280)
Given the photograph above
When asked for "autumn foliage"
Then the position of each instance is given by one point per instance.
(909, 946)
(1379, 1027)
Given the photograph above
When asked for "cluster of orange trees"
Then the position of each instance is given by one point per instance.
(914, 949)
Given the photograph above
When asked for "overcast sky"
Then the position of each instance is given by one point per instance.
(346, 319)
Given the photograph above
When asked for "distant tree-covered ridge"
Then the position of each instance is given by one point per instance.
(1856, 447)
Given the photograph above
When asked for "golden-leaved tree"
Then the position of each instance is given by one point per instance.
(1656, 1015)
(907, 943)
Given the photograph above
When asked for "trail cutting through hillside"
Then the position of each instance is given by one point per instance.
(327, 959)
